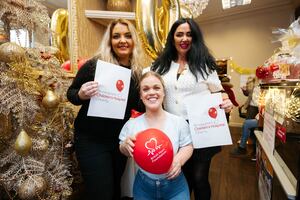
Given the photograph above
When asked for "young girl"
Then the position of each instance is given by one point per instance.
(171, 185)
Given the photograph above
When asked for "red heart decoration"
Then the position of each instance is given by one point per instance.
(120, 85)
(212, 112)
(153, 151)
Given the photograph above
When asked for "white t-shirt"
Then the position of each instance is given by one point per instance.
(176, 128)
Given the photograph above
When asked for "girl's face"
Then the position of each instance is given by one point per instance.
(183, 38)
(152, 92)
(121, 41)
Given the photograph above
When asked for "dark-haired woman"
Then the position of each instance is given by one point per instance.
(187, 68)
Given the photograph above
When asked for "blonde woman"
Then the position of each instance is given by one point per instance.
(96, 138)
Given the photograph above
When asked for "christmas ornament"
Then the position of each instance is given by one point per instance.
(120, 85)
(31, 187)
(212, 112)
(11, 52)
(153, 151)
(23, 143)
(43, 145)
(262, 72)
(50, 100)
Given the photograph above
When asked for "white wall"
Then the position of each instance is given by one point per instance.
(247, 39)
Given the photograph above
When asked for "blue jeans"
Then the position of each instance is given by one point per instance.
(248, 124)
(145, 188)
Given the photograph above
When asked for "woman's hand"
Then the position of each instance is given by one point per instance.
(88, 90)
(127, 146)
(175, 170)
(226, 104)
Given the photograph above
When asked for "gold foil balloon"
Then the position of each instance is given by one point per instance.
(11, 52)
(119, 5)
(50, 100)
(153, 23)
(23, 143)
(32, 187)
(59, 26)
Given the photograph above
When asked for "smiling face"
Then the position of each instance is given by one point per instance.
(152, 92)
(121, 41)
(183, 38)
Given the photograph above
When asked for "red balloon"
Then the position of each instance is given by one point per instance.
(212, 112)
(153, 151)
(120, 85)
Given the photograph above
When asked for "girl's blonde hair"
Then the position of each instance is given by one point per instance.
(138, 58)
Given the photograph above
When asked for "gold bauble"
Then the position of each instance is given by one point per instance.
(119, 5)
(50, 100)
(23, 143)
(11, 52)
(32, 187)
(43, 145)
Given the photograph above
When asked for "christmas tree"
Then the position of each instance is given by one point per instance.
(35, 117)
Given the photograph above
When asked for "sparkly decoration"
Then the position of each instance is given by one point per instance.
(50, 100)
(23, 144)
(293, 106)
(195, 7)
(5, 126)
(25, 14)
(11, 52)
(32, 187)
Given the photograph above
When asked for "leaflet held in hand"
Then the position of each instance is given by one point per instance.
(208, 124)
(111, 100)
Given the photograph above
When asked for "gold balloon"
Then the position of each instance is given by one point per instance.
(50, 100)
(11, 52)
(31, 187)
(153, 23)
(23, 143)
(59, 26)
(119, 5)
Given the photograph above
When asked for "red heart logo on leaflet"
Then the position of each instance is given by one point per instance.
(212, 112)
(120, 85)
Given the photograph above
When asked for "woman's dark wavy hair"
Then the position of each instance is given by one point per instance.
(199, 58)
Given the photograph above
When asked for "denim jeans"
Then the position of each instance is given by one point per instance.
(248, 124)
(145, 188)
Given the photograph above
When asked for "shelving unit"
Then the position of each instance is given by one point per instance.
(287, 185)
(103, 17)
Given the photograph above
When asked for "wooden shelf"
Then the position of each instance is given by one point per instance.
(104, 17)
(286, 184)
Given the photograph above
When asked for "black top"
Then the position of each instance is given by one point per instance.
(105, 128)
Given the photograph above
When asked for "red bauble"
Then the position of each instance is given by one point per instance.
(153, 151)
(212, 112)
(66, 65)
(262, 72)
(274, 67)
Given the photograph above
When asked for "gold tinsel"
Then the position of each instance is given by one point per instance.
(28, 14)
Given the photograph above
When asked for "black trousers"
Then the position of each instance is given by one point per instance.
(196, 171)
(101, 165)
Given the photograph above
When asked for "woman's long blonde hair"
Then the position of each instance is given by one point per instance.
(138, 58)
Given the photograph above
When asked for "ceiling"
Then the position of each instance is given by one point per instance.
(214, 8)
